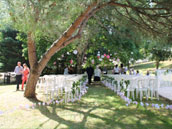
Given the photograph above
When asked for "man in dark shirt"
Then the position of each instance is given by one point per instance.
(90, 72)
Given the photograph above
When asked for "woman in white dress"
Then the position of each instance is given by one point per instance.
(97, 74)
(116, 69)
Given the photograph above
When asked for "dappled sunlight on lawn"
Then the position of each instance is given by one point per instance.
(100, 108)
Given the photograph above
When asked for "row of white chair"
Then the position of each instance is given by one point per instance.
(142, 86)
(57, 87)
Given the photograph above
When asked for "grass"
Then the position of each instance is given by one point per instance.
(150, 66)
(100, 108)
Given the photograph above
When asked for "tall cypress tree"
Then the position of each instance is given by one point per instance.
(10, 50)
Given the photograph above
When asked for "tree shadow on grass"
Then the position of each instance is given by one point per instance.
(98, 114)
(122, 118)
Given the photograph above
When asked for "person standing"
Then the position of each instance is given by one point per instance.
(137, 73)
(116, 69)
(147, 74)
(125, 70)
(97, 74)
(90, 72)
(130, 71)
(66, 71)
(122, 69)
(18, 71)
(25, 74)
(134, 72)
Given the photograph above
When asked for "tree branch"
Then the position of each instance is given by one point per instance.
(60, 42)
(101, 24)
(134, 7)
(130, 19)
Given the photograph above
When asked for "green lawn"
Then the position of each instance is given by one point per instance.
(150, 66)
(100, 108)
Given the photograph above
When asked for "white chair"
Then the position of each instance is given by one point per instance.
(50, 87)
(153, 88)
(68, 90)
(131, 88)
(142, 88)
(41, 84)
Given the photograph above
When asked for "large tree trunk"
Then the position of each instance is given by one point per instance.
(34, 71)
(157, 64)
(31, 85)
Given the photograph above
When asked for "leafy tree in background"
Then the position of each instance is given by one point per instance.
(160, 54)
(157, 52)
(10, 50)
